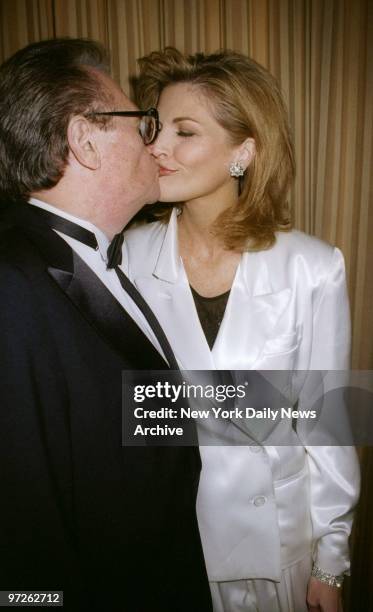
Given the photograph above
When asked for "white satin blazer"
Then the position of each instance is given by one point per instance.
(262, 508)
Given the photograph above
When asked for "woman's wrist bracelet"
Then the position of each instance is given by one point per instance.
(330, 579)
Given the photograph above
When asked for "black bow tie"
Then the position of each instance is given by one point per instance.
(114, 252)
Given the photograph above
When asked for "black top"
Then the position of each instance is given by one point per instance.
(210, 312)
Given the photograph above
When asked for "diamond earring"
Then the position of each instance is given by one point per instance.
(236, 170)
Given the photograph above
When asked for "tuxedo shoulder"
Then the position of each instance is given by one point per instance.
(16, 251)
(16, 257)
(17, 294)
(10, 242)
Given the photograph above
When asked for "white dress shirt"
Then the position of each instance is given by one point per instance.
(97, 261)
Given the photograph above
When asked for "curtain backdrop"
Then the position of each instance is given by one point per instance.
(321, 53)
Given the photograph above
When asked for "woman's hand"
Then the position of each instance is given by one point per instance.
(323, 598)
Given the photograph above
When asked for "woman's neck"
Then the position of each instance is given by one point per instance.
(196, 226)
(209, 266)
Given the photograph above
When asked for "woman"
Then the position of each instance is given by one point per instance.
(234, 289)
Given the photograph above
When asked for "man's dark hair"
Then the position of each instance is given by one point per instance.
(41, 87)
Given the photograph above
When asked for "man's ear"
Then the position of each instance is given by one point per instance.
(82, 142)
(246, 153)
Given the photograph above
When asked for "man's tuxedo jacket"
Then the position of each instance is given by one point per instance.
(113, 527)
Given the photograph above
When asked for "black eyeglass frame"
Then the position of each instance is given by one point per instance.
(150, 112)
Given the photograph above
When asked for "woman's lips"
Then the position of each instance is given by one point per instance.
(165, 171)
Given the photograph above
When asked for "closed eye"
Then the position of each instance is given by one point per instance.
(185, 134)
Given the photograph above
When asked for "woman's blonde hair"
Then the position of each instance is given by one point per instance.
(247, 102)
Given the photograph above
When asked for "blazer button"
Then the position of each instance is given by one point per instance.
(260, 500)
(255, 449)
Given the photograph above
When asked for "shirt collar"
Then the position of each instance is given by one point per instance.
(102, 240)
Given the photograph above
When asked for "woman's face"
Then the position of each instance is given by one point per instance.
(193, 151)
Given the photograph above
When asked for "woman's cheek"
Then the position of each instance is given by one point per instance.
(190, 153)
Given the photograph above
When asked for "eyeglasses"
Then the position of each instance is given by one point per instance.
(149, 124)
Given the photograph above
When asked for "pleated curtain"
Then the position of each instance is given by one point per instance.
(321, 51)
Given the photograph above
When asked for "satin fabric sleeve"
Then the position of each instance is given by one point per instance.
(334, 470)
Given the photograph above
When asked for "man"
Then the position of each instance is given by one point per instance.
(112, 527)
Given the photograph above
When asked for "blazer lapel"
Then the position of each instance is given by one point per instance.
(257, 301)
(89, 295)
(167, 290)
(174, 307)
(255, 304)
